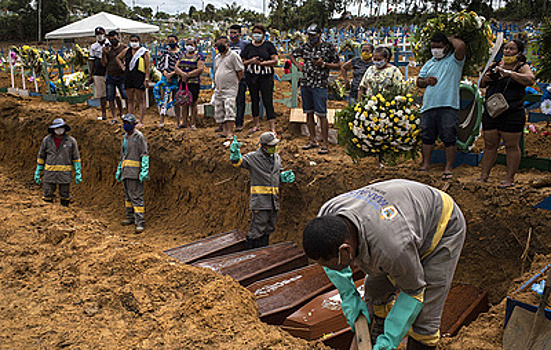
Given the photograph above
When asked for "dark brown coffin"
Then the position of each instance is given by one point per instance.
(322, 318)
(464, 303)
(281, 295)
(210, 247)
(254, 265)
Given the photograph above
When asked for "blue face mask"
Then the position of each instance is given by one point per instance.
(127, 127)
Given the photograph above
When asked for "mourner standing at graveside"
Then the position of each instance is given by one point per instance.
(58, 156)
(133, 170)
(440, 112)
(114, 74)
(266, 172)
(407, 238)
(97, 70)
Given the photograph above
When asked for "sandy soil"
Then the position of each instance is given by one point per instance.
(76, 279)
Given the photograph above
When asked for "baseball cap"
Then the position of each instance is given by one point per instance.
(313, 29)
(268, 138)
(99, 30)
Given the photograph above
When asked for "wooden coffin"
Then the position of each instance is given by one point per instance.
(322, 318)
(210, 247)
(254, 265)
(464, 303)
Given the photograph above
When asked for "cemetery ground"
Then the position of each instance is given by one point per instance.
(74, 278)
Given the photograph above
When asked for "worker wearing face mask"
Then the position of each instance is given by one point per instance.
(266, 172)
(381, 75)
(319, 57)
(58, 156)
(133, 170)
(406, 237)
(441, 77)
(97, 70)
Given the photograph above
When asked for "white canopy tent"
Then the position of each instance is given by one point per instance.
(85, 27)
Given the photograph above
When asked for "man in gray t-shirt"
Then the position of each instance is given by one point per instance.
(407, 237)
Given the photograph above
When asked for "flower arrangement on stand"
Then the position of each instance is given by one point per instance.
(474, 30)
(386, 125)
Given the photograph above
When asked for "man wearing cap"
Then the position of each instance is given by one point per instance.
(319, 57)
(133, 170)
(266, 172)
(114, 73)
(407, 237)
(58, 156)
(97, 70)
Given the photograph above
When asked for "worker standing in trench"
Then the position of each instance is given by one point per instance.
(58, 156)
(266, 172)
(133, 170)
(407, 238)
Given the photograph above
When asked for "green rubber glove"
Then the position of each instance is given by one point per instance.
(235, 152)
(78, 172)
(118, 175)
(398, 322)
(39, 168)
(351, 302)
(287, 176)
(144, 173)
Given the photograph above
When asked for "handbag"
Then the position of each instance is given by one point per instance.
(183, 97)
(497, 103)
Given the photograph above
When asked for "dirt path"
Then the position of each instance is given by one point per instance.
(102, 284)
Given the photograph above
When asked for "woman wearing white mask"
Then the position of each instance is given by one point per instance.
(380, 75)
(259, 58)
(136, 63)
(189, 68)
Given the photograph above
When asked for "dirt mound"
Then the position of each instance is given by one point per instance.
(84, 269)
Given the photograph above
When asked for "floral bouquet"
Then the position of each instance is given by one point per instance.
(474, 30)
(30, 57)
(78, 57)
(348, 45)
(385, 125)
(74, 83)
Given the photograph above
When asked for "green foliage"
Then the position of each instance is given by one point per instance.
(474, 30)
(542, 49)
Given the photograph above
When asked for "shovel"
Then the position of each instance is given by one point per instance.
(527, 331)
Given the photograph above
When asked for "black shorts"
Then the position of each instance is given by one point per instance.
(512, 120)
(134, 80)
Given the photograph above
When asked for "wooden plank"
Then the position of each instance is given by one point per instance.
(297, 116)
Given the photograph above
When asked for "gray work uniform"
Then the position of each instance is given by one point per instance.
(134, 147)
(265, 173)
(410, 238)
(58, 165)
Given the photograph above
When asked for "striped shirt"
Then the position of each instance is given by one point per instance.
(168, 60)
(188, 64)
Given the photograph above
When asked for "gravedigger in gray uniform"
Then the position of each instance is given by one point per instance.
(407, 238)
(265, 170)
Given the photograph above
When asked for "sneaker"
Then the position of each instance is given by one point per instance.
(127, 222)
(139, 229)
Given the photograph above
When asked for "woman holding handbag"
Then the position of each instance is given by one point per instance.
(504, 116)
(189, 68)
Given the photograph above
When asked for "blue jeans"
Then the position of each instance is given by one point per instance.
(112, 82)
(439, 122)
(314, 100)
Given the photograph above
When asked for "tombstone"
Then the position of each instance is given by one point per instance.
(254, 265)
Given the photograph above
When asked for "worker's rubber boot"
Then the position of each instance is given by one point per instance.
(140, 228)
(127, 222)
(377, 328)
(415, 345)
(65, 202)
(49, 200)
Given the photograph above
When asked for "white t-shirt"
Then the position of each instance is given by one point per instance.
(225, 74)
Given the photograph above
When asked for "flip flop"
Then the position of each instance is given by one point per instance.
(447, 176)
(422, 170)
(323, 150)
(253, 130)
(310, 145)
(193, 127)
(238, 129)
(161, 125)
(113, 121)
(504, 184)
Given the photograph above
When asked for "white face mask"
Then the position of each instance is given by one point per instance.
(134, 44)
(59, 131)
(437, 53)
(379, 64)
(257, 37)
(100, 37)
(190, 48)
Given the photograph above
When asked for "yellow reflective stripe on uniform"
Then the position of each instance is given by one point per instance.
(139, 209)
(40, 161)
(76, 161)
(128, 204)
(430, 340)
(264, 190)
(238, 164)
(49, 167)
(131, 163)
(382, 310)
(420, 297)
(447, 208)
